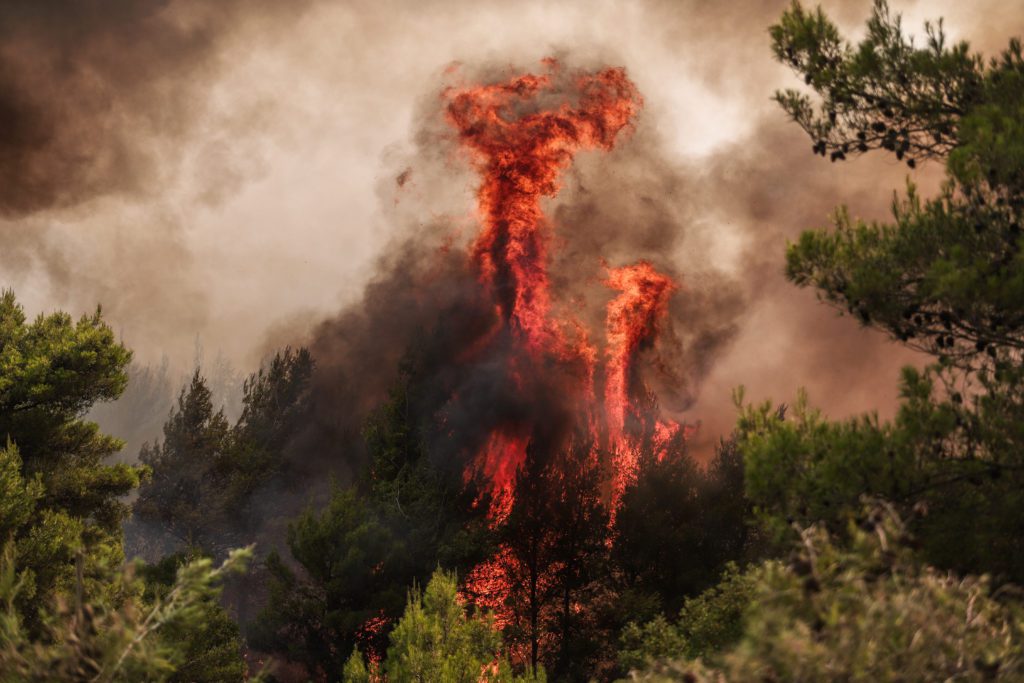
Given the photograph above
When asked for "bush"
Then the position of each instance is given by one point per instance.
(867, 612)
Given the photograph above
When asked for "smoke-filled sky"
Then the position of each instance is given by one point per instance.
(229, 170)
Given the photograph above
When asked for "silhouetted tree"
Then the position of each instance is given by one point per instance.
(207, 474)
(189, 470)
(355, 558)
(680, 524)
(552, 561)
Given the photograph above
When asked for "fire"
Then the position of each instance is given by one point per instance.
(520, 157)
(521, 135)
(520, 149)
(499, 462)
(634, 320)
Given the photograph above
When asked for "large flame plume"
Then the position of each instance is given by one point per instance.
(521, 135)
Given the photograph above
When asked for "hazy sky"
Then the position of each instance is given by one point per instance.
(228, 170)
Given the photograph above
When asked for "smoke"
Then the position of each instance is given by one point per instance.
(714, 215)
(231, 169)
(95, 95)
(100, 102)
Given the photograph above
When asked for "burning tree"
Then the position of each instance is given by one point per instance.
(519, 420)
(558, 460)
(520, 147)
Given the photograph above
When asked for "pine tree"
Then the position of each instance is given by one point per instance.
(946, 277)
(435, 640)
(679, 525)
(62, 506)
(207, 474)
(553, 559)
(405, 516)
(189, 470)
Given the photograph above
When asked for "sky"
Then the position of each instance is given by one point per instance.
(226, 171)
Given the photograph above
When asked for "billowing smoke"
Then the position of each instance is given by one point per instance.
(537, 315)
(94, 95)
(99, 100)
(138, 174)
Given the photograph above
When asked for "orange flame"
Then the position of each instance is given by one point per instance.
(634, 320)
(521, 135)
(520, 157)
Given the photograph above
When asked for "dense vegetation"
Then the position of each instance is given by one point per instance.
(864, 595)
(806, 550)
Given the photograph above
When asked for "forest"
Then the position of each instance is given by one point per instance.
(507, 500)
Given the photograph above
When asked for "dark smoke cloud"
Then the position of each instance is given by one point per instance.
(95, 93)
(425, 300)
(104, 106)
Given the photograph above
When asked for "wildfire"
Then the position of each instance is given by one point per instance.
(634, 320)
(520, 157)
(521, 135)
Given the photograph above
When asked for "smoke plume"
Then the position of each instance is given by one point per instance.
(231, 170)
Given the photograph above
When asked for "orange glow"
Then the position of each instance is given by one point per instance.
(634, 319)
(521, 135)
(520, 158)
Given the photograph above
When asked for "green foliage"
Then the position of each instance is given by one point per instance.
(206, 472)
(357, 555)
(355, 670)
(53, 367)
(804, 467)
(206, 645)
(945, 277)
(707, 624)
(884, 93)
(679, 525)
(352, 574)
(61, 502)
(61, 510)
(275, 405)
(435, 640)
(187, 467)
(427, 503)
(96, 641)
(18, 497)
(864, 611)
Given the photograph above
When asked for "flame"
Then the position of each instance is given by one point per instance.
(521, 135)
(634, 319)
(520, 150)
(520, 158)
(499, 462)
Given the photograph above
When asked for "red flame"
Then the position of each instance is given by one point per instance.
(520, 157)
(634, 320)
(521, 135)
(520, 150)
